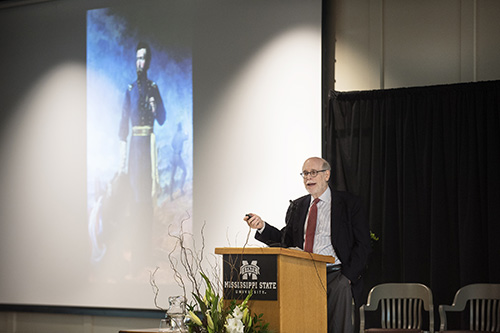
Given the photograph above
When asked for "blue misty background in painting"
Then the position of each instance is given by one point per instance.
(117, 233)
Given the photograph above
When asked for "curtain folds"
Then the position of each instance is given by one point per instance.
(426, 162)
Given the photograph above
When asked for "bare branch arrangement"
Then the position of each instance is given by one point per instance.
(156, 289)
(208, 312)
(186, 262)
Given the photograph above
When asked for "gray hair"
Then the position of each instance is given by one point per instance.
(326, 165)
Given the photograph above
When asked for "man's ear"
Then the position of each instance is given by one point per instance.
(327, 175)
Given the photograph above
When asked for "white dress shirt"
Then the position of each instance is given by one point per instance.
(322, 237)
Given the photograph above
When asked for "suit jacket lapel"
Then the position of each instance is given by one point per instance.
(302, 214)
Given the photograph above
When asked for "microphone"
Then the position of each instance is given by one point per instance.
(288, 218)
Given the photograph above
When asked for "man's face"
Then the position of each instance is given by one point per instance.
(140, 62)
(316, 186)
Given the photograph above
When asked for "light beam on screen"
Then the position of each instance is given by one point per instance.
(275, 113)
(139, 142)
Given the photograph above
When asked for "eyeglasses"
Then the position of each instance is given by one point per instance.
(312, 173)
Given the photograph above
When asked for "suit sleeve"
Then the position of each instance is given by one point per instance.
(270, 235)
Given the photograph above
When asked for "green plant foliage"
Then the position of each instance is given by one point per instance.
(210, 315)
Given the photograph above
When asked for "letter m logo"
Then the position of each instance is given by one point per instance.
(249, 270)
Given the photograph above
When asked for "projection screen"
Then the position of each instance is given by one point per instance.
(128, 123)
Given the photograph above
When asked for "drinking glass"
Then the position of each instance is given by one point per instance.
(165, 325)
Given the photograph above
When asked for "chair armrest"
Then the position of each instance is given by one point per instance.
(362, 309)
(370, 307)
(442, 318)
(362, 319)
(442, 314)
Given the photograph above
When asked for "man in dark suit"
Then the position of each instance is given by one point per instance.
(334, 225)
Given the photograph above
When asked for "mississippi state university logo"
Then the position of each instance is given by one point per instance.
(243, 275)
(249, 270)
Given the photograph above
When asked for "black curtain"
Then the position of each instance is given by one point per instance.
(426, 163)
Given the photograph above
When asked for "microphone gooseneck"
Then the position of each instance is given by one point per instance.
(290, 213)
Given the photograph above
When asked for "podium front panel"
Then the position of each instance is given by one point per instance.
(243, 273)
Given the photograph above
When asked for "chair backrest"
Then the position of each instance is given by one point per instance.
(401, 305)
(484, 307)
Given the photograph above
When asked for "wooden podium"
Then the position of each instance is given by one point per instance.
(298, 297)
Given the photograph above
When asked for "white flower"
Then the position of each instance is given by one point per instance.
(234, 325)
(234, 322)
(237, 313)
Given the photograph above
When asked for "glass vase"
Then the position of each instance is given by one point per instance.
(176, 313)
